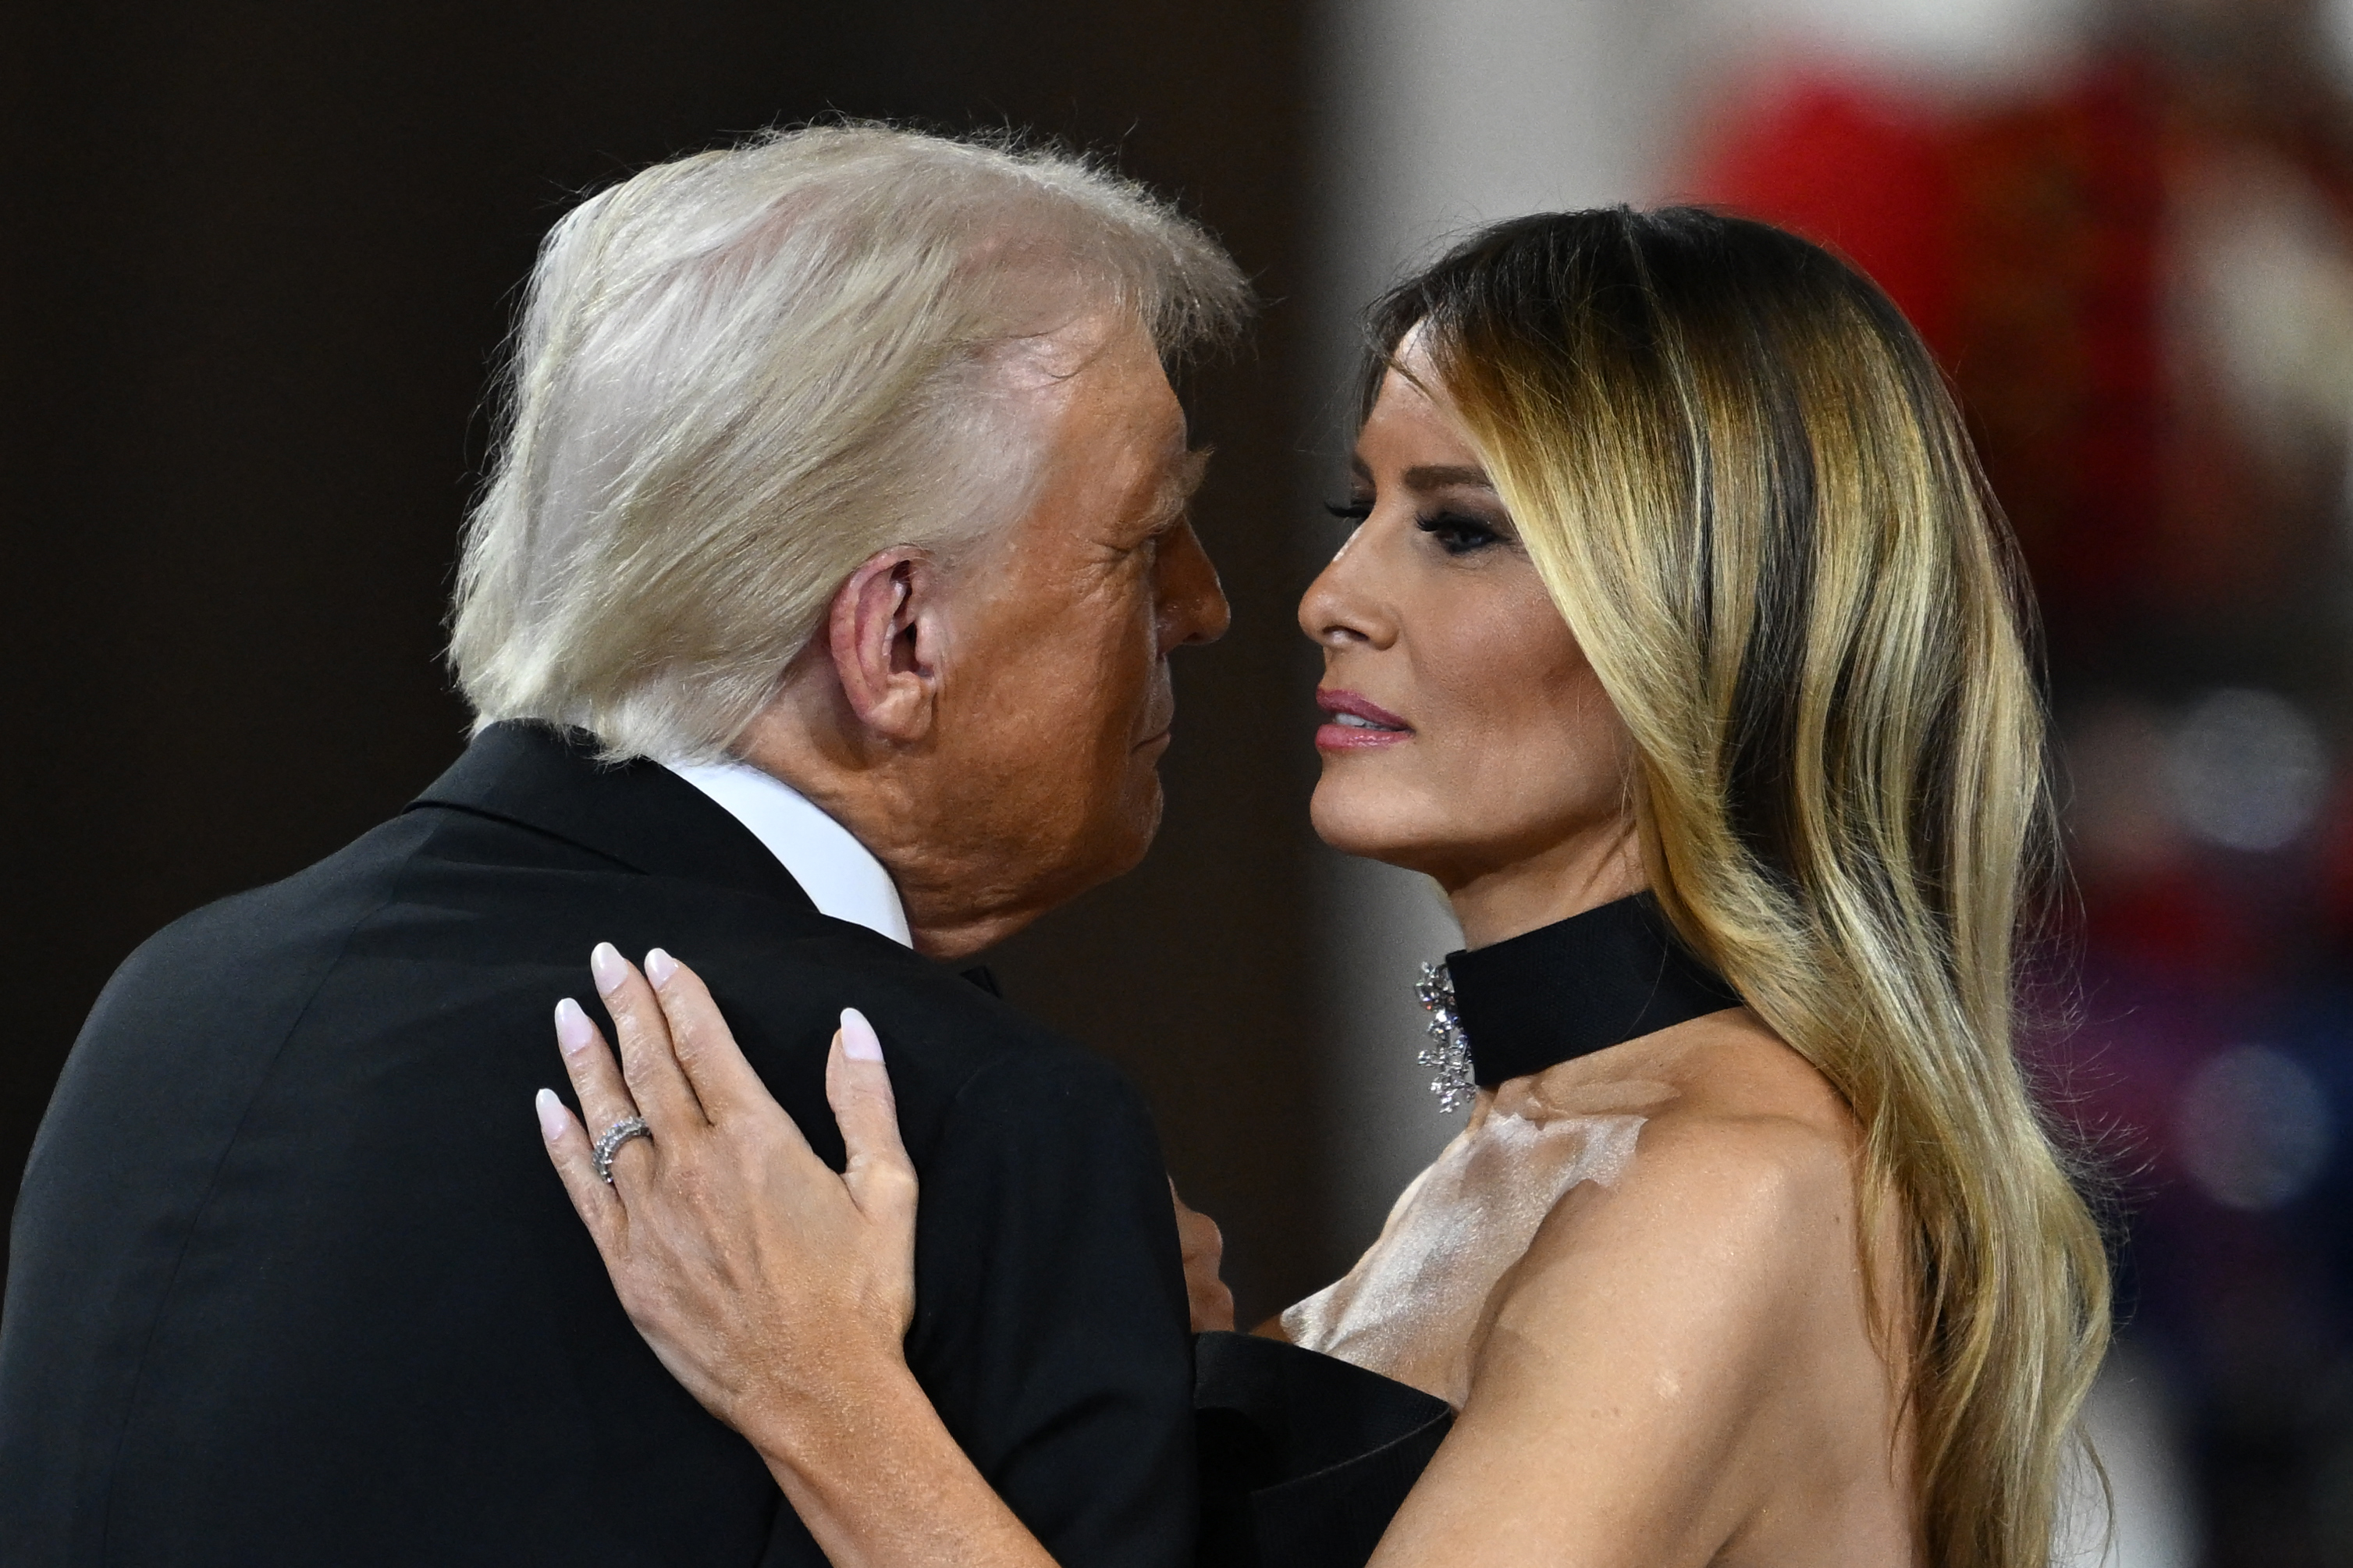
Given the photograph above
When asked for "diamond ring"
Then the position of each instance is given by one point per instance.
(619, 1133)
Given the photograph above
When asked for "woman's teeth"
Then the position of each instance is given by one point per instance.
(1356, 721)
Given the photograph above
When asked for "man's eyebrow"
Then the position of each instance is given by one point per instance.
(1178, 484)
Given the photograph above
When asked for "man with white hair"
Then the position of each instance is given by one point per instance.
(817, 619)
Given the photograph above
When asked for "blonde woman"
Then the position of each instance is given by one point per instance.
(1677, 641)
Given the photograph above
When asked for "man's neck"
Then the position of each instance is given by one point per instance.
(841, 876)
(947, 905)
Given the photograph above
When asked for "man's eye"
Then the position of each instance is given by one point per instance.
(1458, 534)
(1148, 546)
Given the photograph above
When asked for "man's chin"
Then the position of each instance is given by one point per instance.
(1112, 848)
(1121, 847)
(1143, 824)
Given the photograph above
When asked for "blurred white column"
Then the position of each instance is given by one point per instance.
(2143, 1517)
(1437, 115)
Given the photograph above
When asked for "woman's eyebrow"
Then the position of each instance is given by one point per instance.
(1429, 476)
(1440, 476)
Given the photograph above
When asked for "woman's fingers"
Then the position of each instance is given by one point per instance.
(881, 1177)
(878, 1175)
(567, 1146)
(649, 1063)
(1204, 1248)
(703, 1045)
(750, 1265)
(605, 1098)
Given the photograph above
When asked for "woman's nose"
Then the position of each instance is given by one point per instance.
(1340, 606)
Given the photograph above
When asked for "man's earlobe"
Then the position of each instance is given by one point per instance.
(881, 636)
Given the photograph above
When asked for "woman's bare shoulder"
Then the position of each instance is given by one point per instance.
(1685, 1348)
(1685, 1337)
(1747, 1114)
(1723, 1101)
(1746, 1158)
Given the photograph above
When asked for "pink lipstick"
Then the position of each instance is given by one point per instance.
(1356, 724)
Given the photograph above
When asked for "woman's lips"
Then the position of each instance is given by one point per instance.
(1357, 725)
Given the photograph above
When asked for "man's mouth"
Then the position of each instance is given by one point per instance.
(1356, 723)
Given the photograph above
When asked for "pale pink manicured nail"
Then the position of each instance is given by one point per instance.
(552, 1117)
(858, 1040)
(660, 967)
(604, 963)
(572, 1030)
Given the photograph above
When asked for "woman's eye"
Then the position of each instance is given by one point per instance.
(1353, 511)
(1458, 534)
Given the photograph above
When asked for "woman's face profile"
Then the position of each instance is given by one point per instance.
(1465, 735)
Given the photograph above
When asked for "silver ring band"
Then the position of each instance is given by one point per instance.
(619, 1133)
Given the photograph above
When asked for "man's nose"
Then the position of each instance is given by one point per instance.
(1193, 606)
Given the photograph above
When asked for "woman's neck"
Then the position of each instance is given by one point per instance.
(1577, 875)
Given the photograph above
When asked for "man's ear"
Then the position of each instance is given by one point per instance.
(885, 635)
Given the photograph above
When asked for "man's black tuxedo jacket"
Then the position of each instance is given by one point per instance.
(293, 1281)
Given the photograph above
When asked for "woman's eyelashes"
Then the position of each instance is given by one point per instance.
(1458, 532)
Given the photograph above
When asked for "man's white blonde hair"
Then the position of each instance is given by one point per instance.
(740, 375)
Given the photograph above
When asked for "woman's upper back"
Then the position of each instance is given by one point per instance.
(1639, 1275)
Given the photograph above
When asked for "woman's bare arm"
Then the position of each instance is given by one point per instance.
(776, 1291)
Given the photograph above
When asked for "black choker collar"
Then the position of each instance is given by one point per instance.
(1579, 985)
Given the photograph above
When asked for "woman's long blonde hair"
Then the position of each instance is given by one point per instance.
(1747, 487)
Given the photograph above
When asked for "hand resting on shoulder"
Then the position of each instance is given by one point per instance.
(1671, 1350)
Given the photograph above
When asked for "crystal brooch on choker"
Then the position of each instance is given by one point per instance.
(1449, 1051)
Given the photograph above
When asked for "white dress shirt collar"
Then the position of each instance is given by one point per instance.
(841, 877)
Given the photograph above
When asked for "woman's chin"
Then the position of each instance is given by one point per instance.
(1366, 823)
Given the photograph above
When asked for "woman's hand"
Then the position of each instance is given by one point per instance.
(776, 1291)
(1205, 1251)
